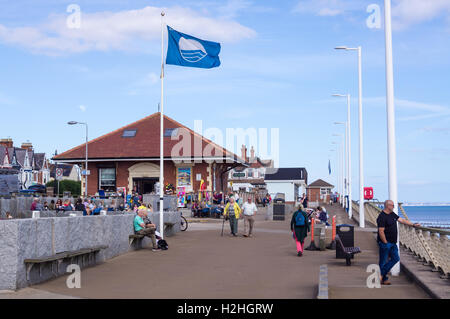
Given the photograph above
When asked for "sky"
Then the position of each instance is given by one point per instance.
(278, 71)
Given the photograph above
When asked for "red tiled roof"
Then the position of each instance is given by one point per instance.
(320, 183)
(145, 144)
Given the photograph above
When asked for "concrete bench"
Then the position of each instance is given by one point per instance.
(135, 237)
(59, 257)
(168, 227)
(348, 251)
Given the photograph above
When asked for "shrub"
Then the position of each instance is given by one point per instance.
(66, 185)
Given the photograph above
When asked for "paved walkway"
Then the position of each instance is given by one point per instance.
(202, 264)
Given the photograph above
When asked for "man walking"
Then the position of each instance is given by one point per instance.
(387, 239)
(249, 210)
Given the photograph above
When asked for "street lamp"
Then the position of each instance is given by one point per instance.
(86, 162)
(361, 161)
(349, 152)
(341, 164)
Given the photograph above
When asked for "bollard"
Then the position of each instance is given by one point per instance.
(312, 246)
(332, 245)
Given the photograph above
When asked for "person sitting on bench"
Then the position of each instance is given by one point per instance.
(195, 209)
(323, 216)
(141, 228)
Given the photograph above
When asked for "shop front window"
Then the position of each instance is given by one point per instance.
(107, 179)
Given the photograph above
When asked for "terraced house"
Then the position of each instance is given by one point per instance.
(30, 167)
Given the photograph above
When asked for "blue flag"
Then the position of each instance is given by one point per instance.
(329, 167)
(185, 50)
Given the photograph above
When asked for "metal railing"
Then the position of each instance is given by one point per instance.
(430, 245)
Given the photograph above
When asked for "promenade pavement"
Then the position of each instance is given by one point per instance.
(200, 263)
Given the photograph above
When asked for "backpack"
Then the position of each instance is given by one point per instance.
(162, 244)
(300, 219)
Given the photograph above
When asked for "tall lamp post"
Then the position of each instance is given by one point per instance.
(86, 161)
(349, 152)
(361, 150)
(390, 114)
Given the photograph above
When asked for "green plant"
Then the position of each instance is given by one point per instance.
(66, 185)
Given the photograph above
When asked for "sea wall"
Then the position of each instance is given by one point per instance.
(17, 205)
(27, 238)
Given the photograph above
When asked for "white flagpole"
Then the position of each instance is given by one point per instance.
(390, 111)
(161, 152)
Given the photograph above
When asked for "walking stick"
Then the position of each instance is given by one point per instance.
(223, 223)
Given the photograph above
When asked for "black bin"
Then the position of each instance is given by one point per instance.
(279, 211)
(347, 235)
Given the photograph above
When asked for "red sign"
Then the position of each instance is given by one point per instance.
(368, 193)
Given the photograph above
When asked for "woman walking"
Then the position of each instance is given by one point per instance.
(233, 212)
(300, 228)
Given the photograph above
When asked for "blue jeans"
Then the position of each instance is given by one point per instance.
(388, 258)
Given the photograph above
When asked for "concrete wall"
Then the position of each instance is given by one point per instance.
(33, 238)
(170, 202)
(16, 205)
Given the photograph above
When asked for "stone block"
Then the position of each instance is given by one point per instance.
(8, 254)
(60, 236)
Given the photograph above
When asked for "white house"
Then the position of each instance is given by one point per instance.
(290, 181)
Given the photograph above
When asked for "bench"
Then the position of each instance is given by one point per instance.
(349, 252)
(59, 257)
(134, 237)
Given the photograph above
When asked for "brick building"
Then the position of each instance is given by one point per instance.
(319, 192)
(129, 157)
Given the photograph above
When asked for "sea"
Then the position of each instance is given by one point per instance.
(429, 216)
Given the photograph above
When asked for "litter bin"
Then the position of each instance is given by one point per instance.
(347, 235)
(279, 209)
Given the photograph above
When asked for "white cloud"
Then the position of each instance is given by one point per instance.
(405, 13)
(409, 12)
(82, 108)
(232, 7)
(328, 7)
(124, 31)
(432, 110)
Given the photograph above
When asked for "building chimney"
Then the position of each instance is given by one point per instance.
(28, 146)
(252, 155)
(244, 153)
(7, 142)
